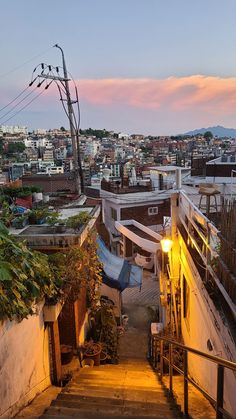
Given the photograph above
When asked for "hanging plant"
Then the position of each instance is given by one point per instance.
(25, 278)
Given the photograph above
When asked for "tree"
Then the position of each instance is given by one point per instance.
(62, 129)
(208, 136)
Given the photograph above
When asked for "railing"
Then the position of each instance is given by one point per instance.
(218, 402)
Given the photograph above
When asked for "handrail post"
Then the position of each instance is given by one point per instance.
(171, 368)
(186, 383)
(161, 359)
(220, 391)
(154, 352)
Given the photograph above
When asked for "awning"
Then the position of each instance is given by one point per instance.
(118, 269)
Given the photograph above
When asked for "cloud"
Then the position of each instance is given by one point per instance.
(197, 92)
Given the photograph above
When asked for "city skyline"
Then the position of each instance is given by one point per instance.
(152, 68)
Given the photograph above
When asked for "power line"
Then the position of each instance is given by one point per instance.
(23, 107)
(24, 63)
(13, 100)
(18, 103)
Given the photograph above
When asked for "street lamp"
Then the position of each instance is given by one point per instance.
(166, 245)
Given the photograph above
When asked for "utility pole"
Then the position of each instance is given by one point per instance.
(74, 129)
(74, 134)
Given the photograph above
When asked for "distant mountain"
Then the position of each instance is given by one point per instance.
(216, 131)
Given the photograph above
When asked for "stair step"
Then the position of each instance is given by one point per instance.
(120, 408)
(66, 412)
(119, 387)
(115, 392)
(92, 400)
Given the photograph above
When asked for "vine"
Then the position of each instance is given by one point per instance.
(25, 278)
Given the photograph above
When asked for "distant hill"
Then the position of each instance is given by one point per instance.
(216, 131)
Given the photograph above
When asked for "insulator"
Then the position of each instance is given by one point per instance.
(50, 68)
(42, 65)
(32, 81)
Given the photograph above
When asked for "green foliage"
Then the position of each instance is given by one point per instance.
(79, 268)
(15, 148)
(53, 218)
(208, 135)
(76, 221)
(17, 192)
(25, 278)
(98, 133)
(104, 328)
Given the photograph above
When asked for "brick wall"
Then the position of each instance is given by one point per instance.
(53, 183)
(140, 214)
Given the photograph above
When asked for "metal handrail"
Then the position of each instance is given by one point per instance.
(220, 362)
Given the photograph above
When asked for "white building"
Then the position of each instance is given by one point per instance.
(13, 129)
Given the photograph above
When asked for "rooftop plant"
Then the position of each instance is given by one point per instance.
(76, 221)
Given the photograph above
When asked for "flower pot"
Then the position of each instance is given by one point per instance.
(40, 221)
(93, 352)
(103, 357)
(87, 362)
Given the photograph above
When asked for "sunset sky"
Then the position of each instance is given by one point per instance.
(154, 66)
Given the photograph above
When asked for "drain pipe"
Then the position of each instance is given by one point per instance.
(178, 178)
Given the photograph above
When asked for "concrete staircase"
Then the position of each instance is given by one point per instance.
(130, 389)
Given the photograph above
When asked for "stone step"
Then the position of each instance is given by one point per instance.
(126, 382)
(109, 390)
(65, 412)
(91, 400)
(123, 395)
(112, 408)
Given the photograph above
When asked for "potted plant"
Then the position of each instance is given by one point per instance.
(20, 222)
(92, 350)
(38, 215)
(76, 221)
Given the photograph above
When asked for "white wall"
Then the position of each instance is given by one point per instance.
(204, 322)
(24, 363)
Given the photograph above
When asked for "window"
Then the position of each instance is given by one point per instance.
(186, 295)
(114, 214)
(152, 210)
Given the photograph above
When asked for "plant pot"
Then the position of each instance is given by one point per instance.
(103, 357)
(40, 221)
(94, 353)
(87, 362)
(66, 354)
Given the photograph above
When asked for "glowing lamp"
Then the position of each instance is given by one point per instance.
(166, 245)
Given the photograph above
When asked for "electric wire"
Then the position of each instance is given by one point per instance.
(13, 100)
(18, 103)
(24, 63)
(23, 107)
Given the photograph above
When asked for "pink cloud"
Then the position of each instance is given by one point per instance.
(208, 93)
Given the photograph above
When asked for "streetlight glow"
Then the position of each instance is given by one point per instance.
(166, 245)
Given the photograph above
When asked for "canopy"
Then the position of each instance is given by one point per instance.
(118, 269)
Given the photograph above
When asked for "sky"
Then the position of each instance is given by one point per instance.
(158, 67)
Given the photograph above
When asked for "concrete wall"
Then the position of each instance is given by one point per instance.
(24, 363)
(204, 323)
